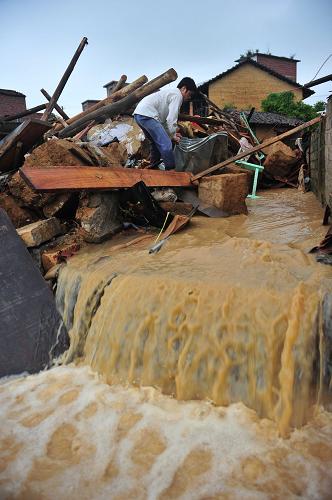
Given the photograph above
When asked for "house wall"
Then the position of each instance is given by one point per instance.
(11, 104)
(320, 158)
(284, 67)
(247, 86)
(328, 154)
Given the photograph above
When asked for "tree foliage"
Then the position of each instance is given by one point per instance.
(319, 106)
(248, 53)
(284, 103)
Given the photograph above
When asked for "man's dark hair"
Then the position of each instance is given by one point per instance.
(188, 83)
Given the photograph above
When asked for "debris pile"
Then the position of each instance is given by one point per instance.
(68, 181)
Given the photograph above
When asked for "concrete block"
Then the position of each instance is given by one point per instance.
(38, 232)
(227, 192)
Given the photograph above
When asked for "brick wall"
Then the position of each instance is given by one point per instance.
(328, 154)
(11, 104)
(317, 161)
(247, 86)
(284, 67)
(320, 158)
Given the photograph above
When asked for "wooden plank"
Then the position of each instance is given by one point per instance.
(64, 178)
(263, 145)
(28, 133)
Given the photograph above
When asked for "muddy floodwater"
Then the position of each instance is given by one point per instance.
(193, 373)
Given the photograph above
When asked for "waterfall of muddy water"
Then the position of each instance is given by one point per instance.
(225, 315)
(211, 316)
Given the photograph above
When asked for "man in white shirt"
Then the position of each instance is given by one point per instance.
(157, 115)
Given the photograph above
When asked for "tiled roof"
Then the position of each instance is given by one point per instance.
(264, 118)
(306, 92)
(11, 92)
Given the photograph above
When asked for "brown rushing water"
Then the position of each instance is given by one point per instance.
(225, 313)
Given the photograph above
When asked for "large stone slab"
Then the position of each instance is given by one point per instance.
(31, 328)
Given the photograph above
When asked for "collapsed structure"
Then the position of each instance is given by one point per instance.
(67, 182)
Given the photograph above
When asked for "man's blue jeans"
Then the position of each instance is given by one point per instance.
(161, 144)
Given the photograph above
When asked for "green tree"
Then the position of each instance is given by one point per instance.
(247, 54)
(284, 103)
(319, 106)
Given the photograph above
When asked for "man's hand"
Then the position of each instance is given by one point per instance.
(177, 137)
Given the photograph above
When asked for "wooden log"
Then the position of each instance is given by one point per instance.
(64, 79)
(200, 119)
(120, 94)
(24, 113)
(97, 178)
(28, 132)
(119, 84)
(79, 136)
(62, 121)
(56, 106)
(264, 144)
(318, 81)
(122, 105)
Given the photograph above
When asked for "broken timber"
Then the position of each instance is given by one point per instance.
(122, 105)
(96, 178)
(64, 79)
(27, 112)
(56, 106)
(254, 149)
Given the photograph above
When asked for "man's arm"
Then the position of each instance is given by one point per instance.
(173, 114)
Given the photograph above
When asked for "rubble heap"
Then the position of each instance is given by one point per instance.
(54, 224)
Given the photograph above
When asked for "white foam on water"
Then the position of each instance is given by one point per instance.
(62, 428)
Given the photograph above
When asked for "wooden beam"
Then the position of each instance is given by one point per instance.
(120, 83)
(56, 106)
(24, 113)
(313, 83)
(263, 145)
(200, 119)
(62, 178)
(64, 79)
(124, 104)
(120, 94)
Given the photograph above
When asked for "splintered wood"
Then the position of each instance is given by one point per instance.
(63, 178)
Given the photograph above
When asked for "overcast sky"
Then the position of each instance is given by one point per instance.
(197, 38)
